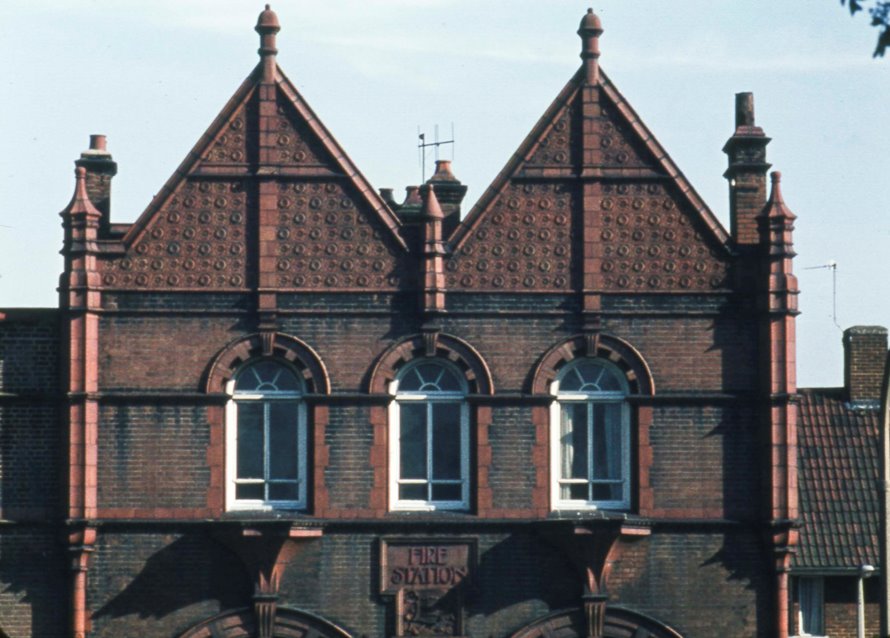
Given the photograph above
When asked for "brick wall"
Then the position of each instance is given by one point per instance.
(33, 581)
(153, 457)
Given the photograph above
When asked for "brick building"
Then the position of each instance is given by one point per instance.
(281, 403)
(839, 462)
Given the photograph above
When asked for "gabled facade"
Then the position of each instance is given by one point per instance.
(291, 406)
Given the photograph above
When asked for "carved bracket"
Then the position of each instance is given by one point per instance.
(266, 550)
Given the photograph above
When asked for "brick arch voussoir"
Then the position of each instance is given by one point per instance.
(619, 622)
(615, 350)
(283, 346)
(460, 353)
(289, 623)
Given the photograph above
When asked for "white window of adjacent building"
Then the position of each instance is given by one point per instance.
(811, 606)
(266, 438)
(590, 437)
(429, 438)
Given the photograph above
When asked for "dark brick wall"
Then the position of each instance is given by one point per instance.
(153, 456)
(512, 474)
(158, 583)
(349, 475)
(702, 461)
(29, 351)
(30, 454)
(701, 583)
(33, 582)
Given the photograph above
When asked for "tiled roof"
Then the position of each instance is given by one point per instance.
(839, 469)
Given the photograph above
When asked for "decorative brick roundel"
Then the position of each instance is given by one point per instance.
(618, 351)
(289, 623)
(618, 623)
(284, 347)
(457, 351)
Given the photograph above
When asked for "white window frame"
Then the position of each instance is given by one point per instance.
(231, 426)
(562, 398)
(394, 414)
(817, 597)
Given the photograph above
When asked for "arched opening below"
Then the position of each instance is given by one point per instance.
(289, 623)
(620, 622)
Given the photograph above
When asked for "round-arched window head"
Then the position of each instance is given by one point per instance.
(430, 377)
(267, 376)
(592, 376)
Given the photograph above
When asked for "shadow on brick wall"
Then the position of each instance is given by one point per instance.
(32, 582)
(192, 569)
(744, 559)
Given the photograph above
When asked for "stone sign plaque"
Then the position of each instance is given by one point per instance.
(436, 564)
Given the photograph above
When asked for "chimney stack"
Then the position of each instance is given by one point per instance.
(450, 193)
(100, 168)
(865, 352)
(746, 151)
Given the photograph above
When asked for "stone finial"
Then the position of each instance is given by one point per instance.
(590, 31)
(267, 26)
(80, 203)
(775, 206)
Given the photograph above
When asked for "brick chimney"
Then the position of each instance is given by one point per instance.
(865, 352)
(746, 151)
(100, 169)
(450, 192)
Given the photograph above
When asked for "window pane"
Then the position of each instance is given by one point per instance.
(573, 440)
(447, 492)
(411, 381)
(607, 453)
(448, 381)
(283, 419)
(251, 491)
(250, 440)
(413, 492)
(811, 606)
(446, 441)
(412, 443)
(607, 492)
(575, 492)
(284, 492)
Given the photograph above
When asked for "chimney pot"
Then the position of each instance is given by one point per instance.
(744, 109)
(98, 143)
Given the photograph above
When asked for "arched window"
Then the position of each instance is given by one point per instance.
(266, 438)
(590, 437)
(429, 435)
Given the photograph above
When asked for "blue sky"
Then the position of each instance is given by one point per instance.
(152, 74)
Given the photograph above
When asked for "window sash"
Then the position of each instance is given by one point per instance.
(279, 489)
(431, 483)
(592, 478)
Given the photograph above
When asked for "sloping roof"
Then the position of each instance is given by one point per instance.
(838, 478)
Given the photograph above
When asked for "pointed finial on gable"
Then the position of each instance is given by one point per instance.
(267, 26)
(590, 31)
(776, 206)
(80, 203)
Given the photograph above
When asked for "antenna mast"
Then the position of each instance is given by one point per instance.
(423, 145)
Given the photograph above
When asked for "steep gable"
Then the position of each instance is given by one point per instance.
(265, 198)
(590, 184)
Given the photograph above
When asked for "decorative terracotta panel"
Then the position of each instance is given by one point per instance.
(326, 238)
(196, 240)
(555, 148)
(521, 243)
(236, 142)
(619, 146)
(648, 242)
(295, 144)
